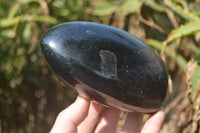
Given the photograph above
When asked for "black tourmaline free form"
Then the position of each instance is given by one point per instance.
(107, 65)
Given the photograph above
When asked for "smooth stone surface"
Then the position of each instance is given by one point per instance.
(107, 65)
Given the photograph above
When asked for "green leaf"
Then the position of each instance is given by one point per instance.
(58, 3)
(23, 18)
(184, 30)
(196, 79)
(26, 1)
(155, 5)
(159, 45)
(60, 8)
(7, 33)
(189, 16)
(131, 6)
(27, 31)
(13, 10)
(181, 61)
(6, 22)
(194, 48)
(105, 8)
(154, 43)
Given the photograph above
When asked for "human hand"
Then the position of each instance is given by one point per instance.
(82, 116)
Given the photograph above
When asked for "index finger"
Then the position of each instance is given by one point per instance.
(68, 120)
(154, 122)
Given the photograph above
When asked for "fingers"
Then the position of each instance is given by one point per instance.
(88, 124)
(133, 123)
(108, 122)
(68, 120)
(83, 114)
(154, 122)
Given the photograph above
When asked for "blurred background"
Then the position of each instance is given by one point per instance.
(30, 93)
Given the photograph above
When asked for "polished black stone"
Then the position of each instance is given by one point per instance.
(107, 65)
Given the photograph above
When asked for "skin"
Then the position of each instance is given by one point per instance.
(83, 114)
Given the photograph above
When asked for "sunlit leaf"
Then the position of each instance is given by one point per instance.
(196, 79)
(27, 31)
(60, 8)
(181, 61)
(106, 8)
(26, 1)
(131, 6)
(154, 43)
(23, 18)
(184, 30)
(13, 10)
(159, 45)
(6, 22)
(189, 16)
(58, 3)
(7, 33)
(155, 5)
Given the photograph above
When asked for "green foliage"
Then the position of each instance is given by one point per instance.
(155, 5)
(26, 18)
(189, 16)
(31, 95)
(104, 7)
(184, 30)
(196, 79)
